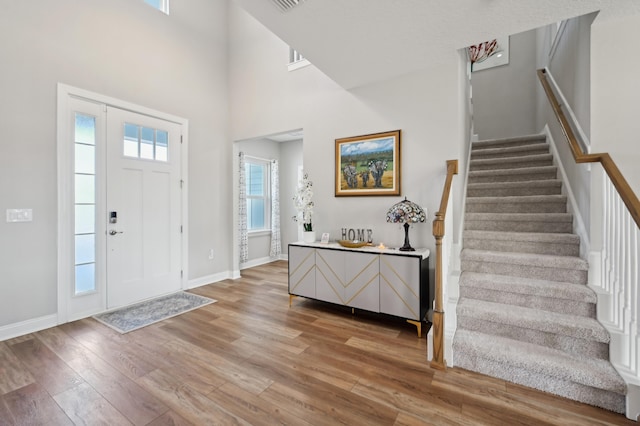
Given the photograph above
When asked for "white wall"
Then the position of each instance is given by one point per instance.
(127, 50)
(266, 98)
(290, 160)
(504, 97)
(615, 93)
(569, 66)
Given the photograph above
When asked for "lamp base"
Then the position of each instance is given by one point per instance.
(406, 246)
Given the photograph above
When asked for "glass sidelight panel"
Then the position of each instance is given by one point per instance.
(85, 278)
(85, 159)
(85, 203)
(85, 129)
(85, 189)
(85, 248)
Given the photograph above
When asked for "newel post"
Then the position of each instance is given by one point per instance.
(438, 362)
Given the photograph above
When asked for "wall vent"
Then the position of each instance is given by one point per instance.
(286, 5)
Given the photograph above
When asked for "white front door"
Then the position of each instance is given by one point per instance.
(143, 207)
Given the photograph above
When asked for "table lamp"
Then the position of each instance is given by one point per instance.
(406, 212)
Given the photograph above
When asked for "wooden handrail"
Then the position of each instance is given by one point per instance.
(629, 198)
(438, 360)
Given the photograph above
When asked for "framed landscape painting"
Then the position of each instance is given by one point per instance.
(368, 165)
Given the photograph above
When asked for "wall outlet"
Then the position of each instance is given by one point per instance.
(211, 254)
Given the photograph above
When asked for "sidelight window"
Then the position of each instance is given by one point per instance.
(85, 203)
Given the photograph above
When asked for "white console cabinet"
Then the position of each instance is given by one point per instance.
(386, 281)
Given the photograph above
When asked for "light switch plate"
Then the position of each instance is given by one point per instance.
(19, 215)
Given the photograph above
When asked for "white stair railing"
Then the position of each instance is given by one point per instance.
(615, 255)
(616, 284)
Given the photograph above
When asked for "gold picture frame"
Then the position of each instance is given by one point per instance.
(368, 165)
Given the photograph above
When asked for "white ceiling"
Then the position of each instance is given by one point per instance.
(357, 42)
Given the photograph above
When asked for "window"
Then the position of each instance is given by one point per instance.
(85, 203)
(145, 142)
(296, 60)
(294, 55)
(258, 191)
(161, 5)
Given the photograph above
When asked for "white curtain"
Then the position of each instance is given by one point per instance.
(242, 212)
(276, 247)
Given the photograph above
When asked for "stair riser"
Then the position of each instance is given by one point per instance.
(567, 344)
(485, 154)
(574, 276)
(518, 226)
(550, 304)
(476, 165)
(513, 192)
(557, 249)
(586, 394)
(489, 178)
(505, 206)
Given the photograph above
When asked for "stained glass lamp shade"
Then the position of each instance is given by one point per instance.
(406, 212)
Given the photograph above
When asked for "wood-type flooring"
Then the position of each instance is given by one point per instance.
(250, 359)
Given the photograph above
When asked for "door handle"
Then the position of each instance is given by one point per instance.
(114, 232)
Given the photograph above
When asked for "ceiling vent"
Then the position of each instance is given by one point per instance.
(286, 5)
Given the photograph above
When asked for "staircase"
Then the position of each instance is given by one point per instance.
(525, 313)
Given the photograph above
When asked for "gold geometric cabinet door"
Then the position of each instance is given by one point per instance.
(362, 289)
(400, 286)
(330, 283)
(302, 271)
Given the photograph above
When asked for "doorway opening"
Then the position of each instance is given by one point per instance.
(255, 247)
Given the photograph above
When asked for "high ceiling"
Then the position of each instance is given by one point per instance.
(357, 42)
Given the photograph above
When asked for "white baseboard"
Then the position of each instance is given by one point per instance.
(209, 279)
(29, 326)
(258, 262)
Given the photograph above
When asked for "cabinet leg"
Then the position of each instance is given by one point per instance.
(418, 325)
(291, 296)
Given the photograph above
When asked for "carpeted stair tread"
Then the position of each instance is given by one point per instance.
(518, 204)
(525, 259)
(545, 295)
(519, 188)
(529, 286)
(560, 244)
(569, 269)
(513, 175)
(510, 151)
(518, 316)
(524, 236)
(523, 242)
(520, 222)
(516, 141)
(538, 367)
(526, 161)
